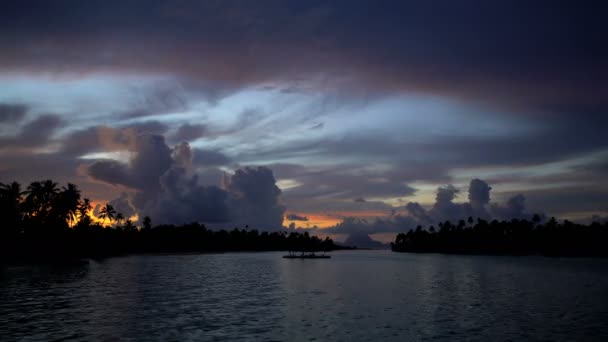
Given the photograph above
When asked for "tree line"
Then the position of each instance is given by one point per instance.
(514, 237)
(48, 221)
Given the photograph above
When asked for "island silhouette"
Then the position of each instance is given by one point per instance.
(514, 237)
(46, 222)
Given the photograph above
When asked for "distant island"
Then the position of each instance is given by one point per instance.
(515, 237)
(45, 222)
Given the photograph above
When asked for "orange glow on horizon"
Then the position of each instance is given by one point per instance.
(326, 220)
(103, 222)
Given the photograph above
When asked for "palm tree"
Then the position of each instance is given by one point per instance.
(39, 197)
(147, 223)
(10, 202)
(107, 212)
(84, 207)
(119, 218)
(33, 198)
(129, 226)
(68, 203)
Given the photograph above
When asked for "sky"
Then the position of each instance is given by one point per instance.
(350, 116)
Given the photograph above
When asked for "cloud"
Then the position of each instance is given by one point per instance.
(319, 125)
(296, 217)
(417, 212)
(444, 209)
(162, 99)
(189, 133)
(12, 113)
(147, 127)
(538, 87)
(475, 51)
(35, 133)
(167, 188)
(207, 158)
(111, 171)
(123, 205)
(255, 198)
(514, 208)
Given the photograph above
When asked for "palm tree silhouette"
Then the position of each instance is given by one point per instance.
(107, 212)
(129, 226)
(147, 223)
(119, 218)
(84, 207)
(40, 200)
(69, 201)
(10, 203)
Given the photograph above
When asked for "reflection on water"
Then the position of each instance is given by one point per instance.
(363, 295)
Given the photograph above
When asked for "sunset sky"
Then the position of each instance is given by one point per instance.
(358, 111)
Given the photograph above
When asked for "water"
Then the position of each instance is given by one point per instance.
(355, 296)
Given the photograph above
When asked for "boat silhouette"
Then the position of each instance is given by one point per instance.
(306, 256)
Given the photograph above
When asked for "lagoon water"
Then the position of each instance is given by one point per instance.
(355, 296)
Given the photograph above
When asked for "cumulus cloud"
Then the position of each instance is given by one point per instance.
(255, 198)
(167, 188)
(479, 197)
(514, 208)
(444, 209)
(417, 212)
(206, 158)
(123, 205)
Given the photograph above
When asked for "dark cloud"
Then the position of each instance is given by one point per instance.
(123, 205)
(103, 138)
(111, 171)
(359, 226)
(417, 212)
(148, 127)
(168, 189)
(565, 201)
(151, 160)
(255, 198)
(479, 197)
(296, 217)
(26, 167)
(160, 100)
(555, 53)
(547, 73)
(514, 208)
(319, 125)
(35, 133)
(444, 209)
(341, 182)
(188, 132)
(209, 158)
(12, 113)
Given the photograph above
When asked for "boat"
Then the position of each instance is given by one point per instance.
(306, 256)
